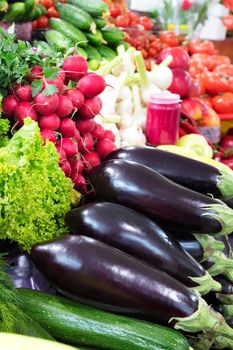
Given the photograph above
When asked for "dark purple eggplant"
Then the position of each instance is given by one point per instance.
(187, 172)
(227, 286)
(171, 205)
(82, 267)
(137, 235)
(192, 246)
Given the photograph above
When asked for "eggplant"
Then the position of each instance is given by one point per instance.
(171, 205)
(227, 286)
(82, 267)
(193, 174)
(137, 235)
(192, 246)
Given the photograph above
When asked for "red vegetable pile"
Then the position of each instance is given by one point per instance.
(65, 115)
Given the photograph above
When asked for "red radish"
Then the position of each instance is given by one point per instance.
(67, 127)
(8, 105)
(104, 147)
(108, 134)
(48, 134)
(62, 154)
(49, 122)
(98, 132)
(91, 85)
(65, 106)
(65, 166)
(76, 135)
(75, 67)
(181, 82)
(76, 97)
(86, 143)
(80, 184)
(91, 160)
(58, 82)
(24, 92)
(36, 73)
(85, 126)
(69, 146)
(24, 110)
(76, 168)
(62, 75)
(90, 108)
(46, 105)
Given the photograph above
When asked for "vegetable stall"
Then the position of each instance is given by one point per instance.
(116, 178)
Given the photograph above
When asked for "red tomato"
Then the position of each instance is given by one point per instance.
(228, 22)
(52, 12)
(144, 53)
(208, 100)
(34, 24)
(146, 22)
(226, 69)
(215, 83)
(230, 84)
(152, 52)
(122, 21)
(196, 67)
(42, 22)
(169, 38)
(46, 3)
(115, 11)
(216, 60)
(199, 46)
(223, 104)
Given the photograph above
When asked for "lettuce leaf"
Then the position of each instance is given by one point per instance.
(34, 192)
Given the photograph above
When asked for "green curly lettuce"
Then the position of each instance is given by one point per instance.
(34, 192)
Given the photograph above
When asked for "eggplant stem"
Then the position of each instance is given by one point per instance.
(221, 264)
(225, 298)
(209, 245)
(206, 284)
(225, 183)
(228, 311)
(204, 319)
(223, 343)
(222, 213)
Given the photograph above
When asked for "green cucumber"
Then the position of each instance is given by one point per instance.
(93, 7)
(92, 53)
(29, 6)
(3, 6)
(125, 44)
(106, 52)
(112, 35)
(100, 22)
(70, 31)
(78, 324)
(57, 40)
(14, 13)
(95, 39)
(42, 8)
(76, 16)
(93, 64)
(43, 47)
(81, 52)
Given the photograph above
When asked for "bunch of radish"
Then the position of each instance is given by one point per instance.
(66, 117)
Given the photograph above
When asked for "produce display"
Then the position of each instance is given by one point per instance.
(109, 240)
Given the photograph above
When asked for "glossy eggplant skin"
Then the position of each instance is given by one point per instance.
(187, 172)
(143, 189)
(136, 235)
(229, 202)
(81, 267)
(190, 244)
(227, 286)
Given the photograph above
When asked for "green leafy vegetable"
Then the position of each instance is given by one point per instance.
(4, 127)
(49, 89)
(34, 192)
(36, 87)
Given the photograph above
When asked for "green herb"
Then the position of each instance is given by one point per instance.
(4, 126)
(49, 89)
(35, 194)
(36, 87)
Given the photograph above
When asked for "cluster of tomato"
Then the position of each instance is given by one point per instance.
(42, 21)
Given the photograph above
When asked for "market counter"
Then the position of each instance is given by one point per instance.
(225, 47)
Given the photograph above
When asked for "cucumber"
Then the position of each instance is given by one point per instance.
(70, 31)
(14, 13)
(29, 6)
(76, 16)
(125, 44)
(106, 52)
(76, 324)
(92, 53)
(81, 52)
(16, 342)
(36, 12)
(93, 64)
(95, 39)
(43, 47)
(112, 35)
(3, 6)
(100, 22)
(93, 7)
(42, 8)
(57, 40)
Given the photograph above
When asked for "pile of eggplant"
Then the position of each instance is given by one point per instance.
(151, 242)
